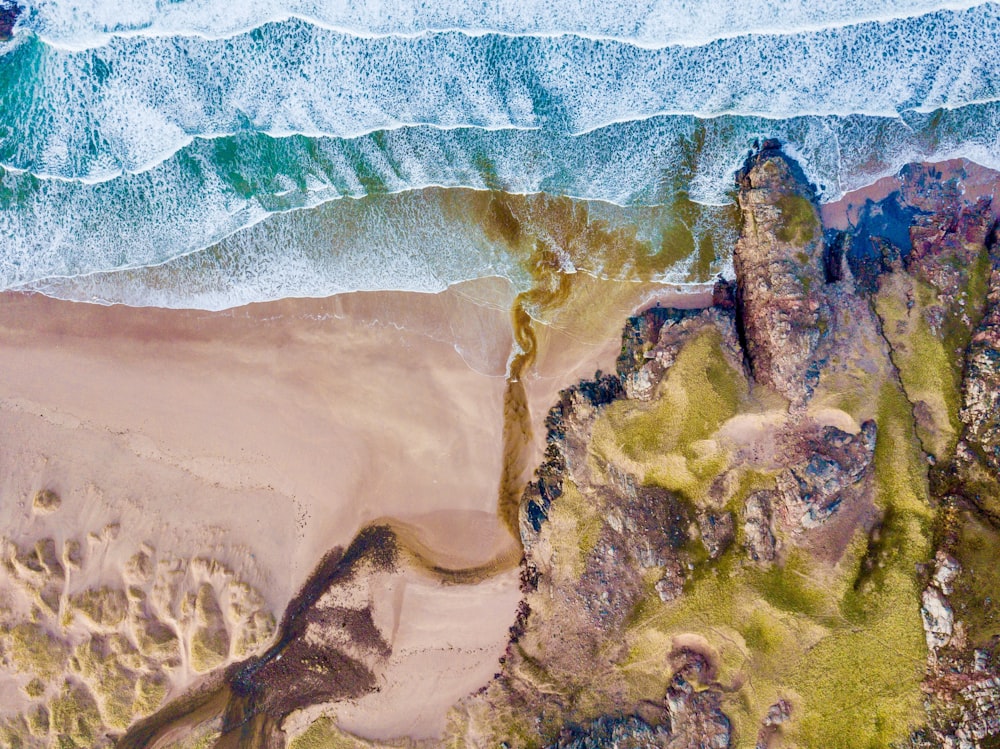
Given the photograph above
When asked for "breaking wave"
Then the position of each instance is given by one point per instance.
(138, 137)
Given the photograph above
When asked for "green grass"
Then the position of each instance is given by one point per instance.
(928, 370)
(667, 442)
(801, 630)
(75, 718)
(105, 607)
(37, 651)
(324, 734)
(574, 528)
(976, 596)
(111, 683)
(210, 641)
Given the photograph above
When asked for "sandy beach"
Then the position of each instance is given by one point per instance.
(263, 436)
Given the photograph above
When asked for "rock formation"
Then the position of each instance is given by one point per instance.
(9, 11)
(732, 539)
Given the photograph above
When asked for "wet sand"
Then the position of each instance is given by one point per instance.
(266, 435)
(975, 181)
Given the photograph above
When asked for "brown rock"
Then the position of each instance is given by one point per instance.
(779, 272)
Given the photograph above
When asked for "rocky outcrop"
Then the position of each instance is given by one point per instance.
(758, 526)
(688, 717)
(981, 387)
(650, 344)
(9, 11)
(694, 703)
(780, 275)
(613, 733)
(832, 463)
(677, 486)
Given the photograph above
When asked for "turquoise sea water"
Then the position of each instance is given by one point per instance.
(231, 145)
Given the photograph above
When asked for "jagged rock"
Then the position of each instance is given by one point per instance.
(777, 714)
(758, 526)
(834, 460)
(571, 416)
(692, 718)
(648, 530)
(947, 245)
(780, 273)
(671, 585)
(939, 620)
(922, 187)
(639, 366)
(613, 733)
(946, 569)
(981, 716)
(696, 717)
(717, 531)
(981, 386)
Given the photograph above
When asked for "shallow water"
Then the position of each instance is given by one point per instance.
(177, 134)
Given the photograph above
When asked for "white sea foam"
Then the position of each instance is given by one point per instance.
(656, 23)
(122, 108)
(162, 153)
(56, 228)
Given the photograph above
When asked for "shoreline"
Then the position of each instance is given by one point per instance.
(262, 437)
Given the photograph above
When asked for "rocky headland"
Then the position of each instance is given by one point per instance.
(773, 524)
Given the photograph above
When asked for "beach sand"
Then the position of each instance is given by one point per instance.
(263, 436)
(975, 181)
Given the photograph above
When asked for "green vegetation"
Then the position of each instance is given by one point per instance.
(38, 721)
(150, 691)
(324, 734)
(976, 596)
(35, 688)
(790, 586)
(667, 442)
(574, 524)
(799, 220)
(843, 643)
(203, 737)
(255, 631)
(75, 717)
(104, 607)
(36, 651)
(210, 641)
(929, 372)
(46, 501)
(98, 661)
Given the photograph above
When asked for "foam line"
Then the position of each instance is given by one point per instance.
(128, 106)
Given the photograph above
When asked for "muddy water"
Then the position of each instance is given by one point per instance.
(564, 251)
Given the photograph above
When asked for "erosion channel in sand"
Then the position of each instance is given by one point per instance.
(205, 463)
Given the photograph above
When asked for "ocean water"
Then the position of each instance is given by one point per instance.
(206, 154)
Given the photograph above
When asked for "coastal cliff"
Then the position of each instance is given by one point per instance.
(772, 525)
